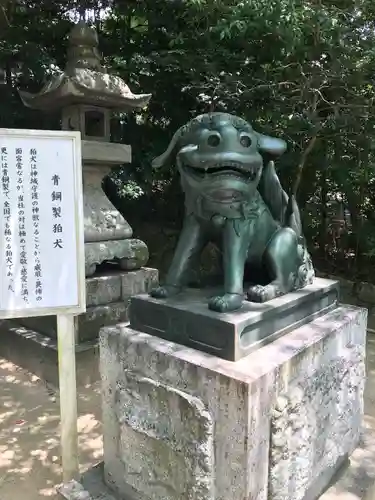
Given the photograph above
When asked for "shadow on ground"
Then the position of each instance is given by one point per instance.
(29, 434)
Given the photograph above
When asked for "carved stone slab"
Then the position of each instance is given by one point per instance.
(177, 456)
(187, 320)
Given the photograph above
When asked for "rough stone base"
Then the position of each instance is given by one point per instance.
(32, 342)
(182, 424)
(354, 481)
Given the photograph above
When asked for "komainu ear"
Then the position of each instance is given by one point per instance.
(170, 153)
(271, 145)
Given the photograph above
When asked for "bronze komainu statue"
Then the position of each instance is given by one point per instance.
(233, 197)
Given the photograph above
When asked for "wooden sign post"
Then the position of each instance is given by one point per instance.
(42, 263)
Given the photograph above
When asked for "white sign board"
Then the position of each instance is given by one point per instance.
(42, 248)
(42, 256)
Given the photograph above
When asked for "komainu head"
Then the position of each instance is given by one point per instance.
(220, 151)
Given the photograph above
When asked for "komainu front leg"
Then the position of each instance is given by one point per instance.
(282, 259)
(190, 244)
(235, 246)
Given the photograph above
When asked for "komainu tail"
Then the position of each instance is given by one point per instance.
(284, 209)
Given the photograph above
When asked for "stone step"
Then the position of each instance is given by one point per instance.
(107, 300)
(89, 323)
(37, 354)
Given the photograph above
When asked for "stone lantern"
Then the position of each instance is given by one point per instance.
(86, 95)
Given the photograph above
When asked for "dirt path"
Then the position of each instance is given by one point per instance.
(29, 434)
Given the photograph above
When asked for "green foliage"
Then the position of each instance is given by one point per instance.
(300, 69)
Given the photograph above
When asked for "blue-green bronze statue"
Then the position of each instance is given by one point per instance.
(233, 197)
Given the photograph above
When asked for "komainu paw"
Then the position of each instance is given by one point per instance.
(225, 303)
(260, 293)
(163, 292)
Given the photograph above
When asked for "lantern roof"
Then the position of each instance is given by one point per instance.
(85, 80)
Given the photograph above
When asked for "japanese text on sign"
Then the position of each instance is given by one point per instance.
(38, 198)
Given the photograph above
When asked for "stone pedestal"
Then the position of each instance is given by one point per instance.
(276, 425)
(108, 236)
(186, 318)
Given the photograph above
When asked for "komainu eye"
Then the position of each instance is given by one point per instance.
(245, 141)
(213, 140)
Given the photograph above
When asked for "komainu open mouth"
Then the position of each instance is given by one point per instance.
(227, 169)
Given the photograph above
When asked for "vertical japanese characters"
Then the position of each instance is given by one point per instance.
(7, 214)
(35, 215)
(57, 228)
(22, 232)
(39, 262)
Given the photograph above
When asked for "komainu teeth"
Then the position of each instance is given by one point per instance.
(229, 169)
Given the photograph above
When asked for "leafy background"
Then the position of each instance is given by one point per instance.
(299, 69)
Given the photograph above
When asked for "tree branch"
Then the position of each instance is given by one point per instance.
(302, 163)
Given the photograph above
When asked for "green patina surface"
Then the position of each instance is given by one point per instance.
(233, 197)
